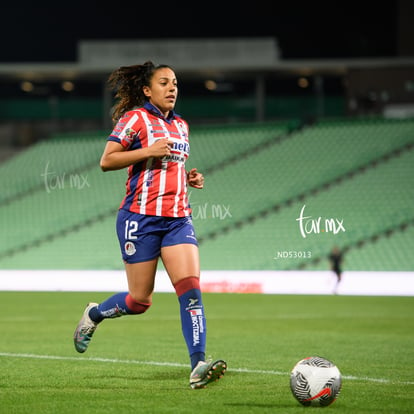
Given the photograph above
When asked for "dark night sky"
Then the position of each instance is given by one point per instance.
(49, 31)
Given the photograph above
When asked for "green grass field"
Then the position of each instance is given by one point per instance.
(139, 364)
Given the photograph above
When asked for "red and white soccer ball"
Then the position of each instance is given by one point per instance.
(315, 381)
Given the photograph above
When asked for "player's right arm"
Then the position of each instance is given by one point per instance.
(116, 156)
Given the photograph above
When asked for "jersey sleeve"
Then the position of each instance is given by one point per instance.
(126, 131)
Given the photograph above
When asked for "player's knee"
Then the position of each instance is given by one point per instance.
(186, 284)
(136, 307)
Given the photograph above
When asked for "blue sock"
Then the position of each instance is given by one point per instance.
(117, 305)
(198, 356)
(193, 321)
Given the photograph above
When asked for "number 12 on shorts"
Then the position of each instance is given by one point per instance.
(131, 227)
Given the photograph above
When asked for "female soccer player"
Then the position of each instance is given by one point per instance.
(154, 218)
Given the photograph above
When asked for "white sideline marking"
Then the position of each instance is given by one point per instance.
(175, 364)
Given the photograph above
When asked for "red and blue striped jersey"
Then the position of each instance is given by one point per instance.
(155, 186)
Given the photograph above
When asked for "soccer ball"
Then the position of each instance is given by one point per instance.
(315, 381)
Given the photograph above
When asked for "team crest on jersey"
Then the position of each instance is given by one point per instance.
(183, 129)
(130, 248)
(128, 135)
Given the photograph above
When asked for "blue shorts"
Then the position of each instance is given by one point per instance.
(141, 237)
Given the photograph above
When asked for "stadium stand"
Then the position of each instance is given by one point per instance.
(58, 209)
(25, 172)
(371, 206)
(293, 167)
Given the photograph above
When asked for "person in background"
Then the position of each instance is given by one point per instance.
(335, 259)
(154, 218)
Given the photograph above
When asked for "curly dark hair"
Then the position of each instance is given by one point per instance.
(128, 83)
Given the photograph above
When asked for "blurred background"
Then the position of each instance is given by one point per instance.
(301, 117)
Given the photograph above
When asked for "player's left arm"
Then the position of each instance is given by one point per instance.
(195, 179)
